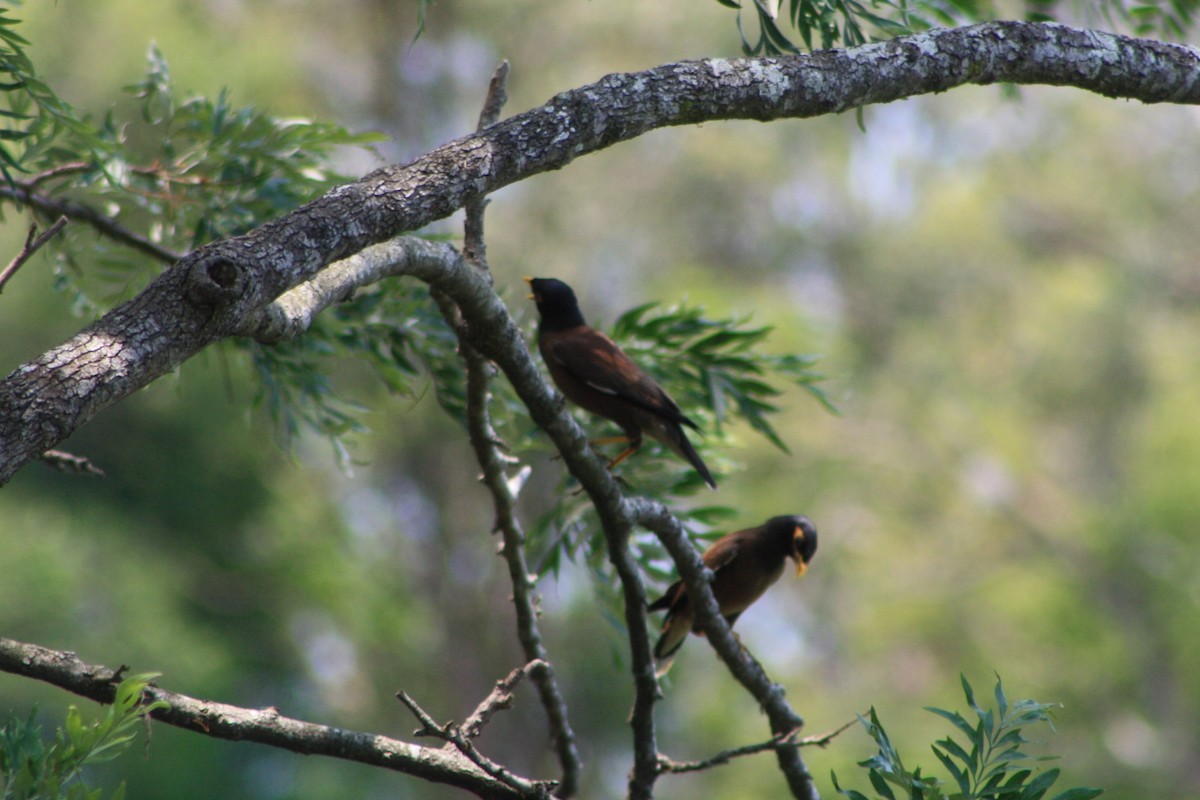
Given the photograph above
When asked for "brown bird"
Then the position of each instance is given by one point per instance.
(596, 375)
(744, 565)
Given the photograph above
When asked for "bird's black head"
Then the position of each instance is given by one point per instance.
(555, 303)
(798, 534)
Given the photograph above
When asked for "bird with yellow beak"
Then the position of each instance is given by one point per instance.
(745, 564)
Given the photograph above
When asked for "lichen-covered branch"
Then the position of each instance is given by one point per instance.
(265, 726)
(211, 293)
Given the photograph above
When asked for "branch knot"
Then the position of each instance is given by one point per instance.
(215, 280)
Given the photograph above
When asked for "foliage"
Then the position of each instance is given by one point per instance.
(991, 767)
(822, 24)
(37, 114)
(30, 768)
(219, 170)
(720, 362)
(185, 171)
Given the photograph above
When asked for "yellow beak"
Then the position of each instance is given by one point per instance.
(801, 568)
(529, 280)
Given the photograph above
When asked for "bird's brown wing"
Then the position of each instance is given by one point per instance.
(715, 557)
(589, 356)
(722, 552)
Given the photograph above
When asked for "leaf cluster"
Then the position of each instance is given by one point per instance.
(823, 24)
(32, 768)
(992, 765)
(177, 171)
(215, 169)
(33, 114)
(719, 364)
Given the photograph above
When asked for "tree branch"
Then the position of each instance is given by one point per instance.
(504, 490)
(210, 294)
(491, 330)
(453, 736)
(774, 743)
(265, 726)
(72, 209)
(63, 461)
(501, 697)
(33, 243)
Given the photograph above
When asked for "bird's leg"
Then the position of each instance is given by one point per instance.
(633, 448)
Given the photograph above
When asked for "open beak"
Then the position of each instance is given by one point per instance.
(532, 296)
(801, 568)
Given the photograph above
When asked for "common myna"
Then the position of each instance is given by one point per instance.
(594, 374)
(744, 565)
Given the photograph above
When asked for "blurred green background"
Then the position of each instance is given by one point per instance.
(1003, 290)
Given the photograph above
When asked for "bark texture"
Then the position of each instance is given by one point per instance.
(212, 293)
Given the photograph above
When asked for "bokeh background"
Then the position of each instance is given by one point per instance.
(1003, 292)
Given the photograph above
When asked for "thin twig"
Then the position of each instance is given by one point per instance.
(63, 461)
(85, 213)
(474, 246)
(500, 698)
(453, 735)
(823, 739)
(774, 743)
(33, 243)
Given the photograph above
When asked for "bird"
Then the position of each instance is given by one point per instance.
(595, 374)
(745, 564)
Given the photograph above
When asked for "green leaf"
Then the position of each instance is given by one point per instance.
(1078, 794)
(956, 772)
(954, 718)
(1037, 788)
(880, 784)
(851, 793)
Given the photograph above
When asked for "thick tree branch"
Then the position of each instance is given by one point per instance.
(265, 726)
(210, 294)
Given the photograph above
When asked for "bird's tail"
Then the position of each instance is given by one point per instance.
(673, 635)
(685, 449)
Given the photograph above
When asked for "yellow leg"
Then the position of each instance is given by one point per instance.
(633, 448)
